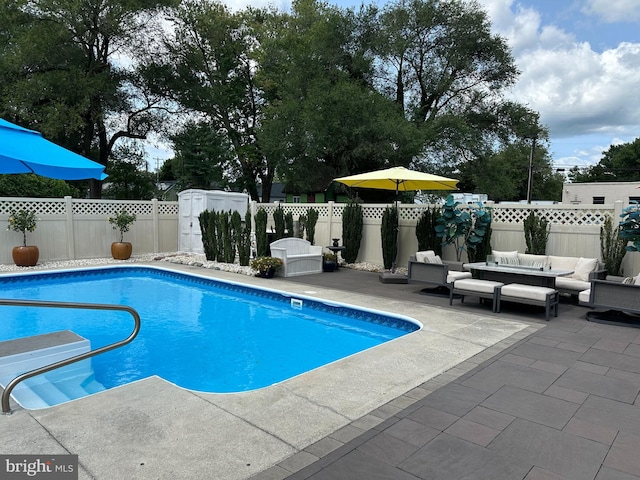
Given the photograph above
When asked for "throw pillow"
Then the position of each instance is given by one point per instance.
(506, 258)
(434, 259)
(422, 256)
(584, 266)
(629, 280)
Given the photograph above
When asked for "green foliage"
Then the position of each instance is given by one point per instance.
(262, 246)
(244, 240)
(228, 246)
(35, 186)
(288, 222)
(122, 221)
(630, 227)
(128, 178)
(208, 222)
(278, 221)
(426, 231)
(478, 242)
(620, 163)
(612, 247)
(389, 232)
(302, 226)
(468, 229)
(536, 233)
(352, 223)
(22, 221)
(454, 226)
(312, 219)
(264, 264)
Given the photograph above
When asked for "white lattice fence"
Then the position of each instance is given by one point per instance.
(70, 229)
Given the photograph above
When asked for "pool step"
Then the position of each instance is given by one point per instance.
(67, 383)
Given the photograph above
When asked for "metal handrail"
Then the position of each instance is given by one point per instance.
(47, 368)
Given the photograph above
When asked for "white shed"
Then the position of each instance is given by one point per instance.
(191, 203)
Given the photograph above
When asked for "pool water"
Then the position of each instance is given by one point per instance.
(198, 333)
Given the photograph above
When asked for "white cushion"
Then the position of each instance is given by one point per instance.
(562, 263)
(422, 256)
(433, 259)
(519, 290)
(454, 275)
(569, 283)
(637, 280)
(540, 261)
(506, 258)
(584, 266)
(475, 285)
(584, 296)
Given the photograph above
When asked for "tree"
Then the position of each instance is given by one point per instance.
(30, 185)
(208, 67)
(67, 71)
(442, 65)
(323, 117)
(201, 155)
(620, 163)
(128, 177)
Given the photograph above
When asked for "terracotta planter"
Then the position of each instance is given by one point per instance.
(121, 250)
(26, 256)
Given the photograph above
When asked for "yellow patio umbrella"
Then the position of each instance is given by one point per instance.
(400, 179)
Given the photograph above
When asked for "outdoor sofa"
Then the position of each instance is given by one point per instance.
(584, 269)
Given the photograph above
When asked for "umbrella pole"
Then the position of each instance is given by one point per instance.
(394, 264)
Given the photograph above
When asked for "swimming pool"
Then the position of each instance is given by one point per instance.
(198, 333)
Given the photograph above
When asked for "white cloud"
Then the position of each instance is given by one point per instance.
(236, 5)
(613, 11)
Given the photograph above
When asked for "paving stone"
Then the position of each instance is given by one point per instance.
(620, 361)
(624, 454)
(607, 473)
(612, 414)
(490, 418)
(548, 354)
(433, 418)
(538, 473)
(472, 432)
(455, 398)
(549, 367)
(518, 360)
(591, 431)
(447, 458)
(566, 394)
(539, 340)
(633, 349)
(567, 455)
(538, 408)
(324, 446)
(388, 449)
(298, 461)
(360, 466)
(561, 335)
(611, 345)
(591, 367)
(346, 434)
(600, 385)
(499, 374)
(572, 347)
(412, 432)
(628, 376)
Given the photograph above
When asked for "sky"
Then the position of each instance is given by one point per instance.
(580, 68)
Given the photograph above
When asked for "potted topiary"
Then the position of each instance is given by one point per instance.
(24, 221)
(266, 267)
(122, 221)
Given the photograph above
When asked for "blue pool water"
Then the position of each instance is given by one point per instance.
(199, 333)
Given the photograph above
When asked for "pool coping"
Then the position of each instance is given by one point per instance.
(255, 431)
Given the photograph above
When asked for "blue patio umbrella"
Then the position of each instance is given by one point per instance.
(26, 151)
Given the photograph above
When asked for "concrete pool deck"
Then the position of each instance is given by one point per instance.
(152, 429)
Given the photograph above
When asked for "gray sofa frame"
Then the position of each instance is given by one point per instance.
(616, 296)
(434, 274)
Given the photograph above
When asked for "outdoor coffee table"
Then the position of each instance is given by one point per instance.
(516, 274)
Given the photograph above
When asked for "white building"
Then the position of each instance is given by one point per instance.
(600, 193)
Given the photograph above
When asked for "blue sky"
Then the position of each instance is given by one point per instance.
(579, 63)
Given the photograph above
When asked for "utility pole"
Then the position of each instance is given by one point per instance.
(530, 181)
